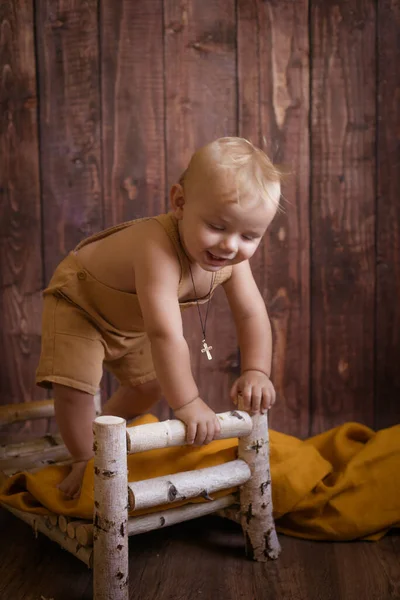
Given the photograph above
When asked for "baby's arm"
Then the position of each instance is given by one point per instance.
(157, 274)
(255, 339)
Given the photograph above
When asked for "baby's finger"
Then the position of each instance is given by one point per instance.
(265, 403)
(233, 393)
(256, 398)
(191, 432)
(217, 426)
(246, 395)
(210, 432)
(268, 399)
(201, 434)
(273, 396)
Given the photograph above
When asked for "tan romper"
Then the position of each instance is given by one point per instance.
(87, 324)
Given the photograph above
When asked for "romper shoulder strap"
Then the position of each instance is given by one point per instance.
(170, 225)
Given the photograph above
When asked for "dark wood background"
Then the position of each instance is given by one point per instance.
(102, 104)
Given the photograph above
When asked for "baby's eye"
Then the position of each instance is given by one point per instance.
(215, 227)
(248, 238)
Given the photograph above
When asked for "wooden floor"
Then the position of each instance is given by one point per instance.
(203, 560)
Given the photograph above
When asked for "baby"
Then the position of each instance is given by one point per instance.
(116, 300)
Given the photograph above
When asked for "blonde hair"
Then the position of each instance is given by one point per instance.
(251, 168)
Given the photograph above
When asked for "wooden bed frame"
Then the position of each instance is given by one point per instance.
(103, 543)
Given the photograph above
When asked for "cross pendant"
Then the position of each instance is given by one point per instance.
(206, 349)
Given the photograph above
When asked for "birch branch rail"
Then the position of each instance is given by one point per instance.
(37, 409)
(24, 411)
(83, 531)
(189, 484)
(27, 462)
(165, 434)
(36, 445)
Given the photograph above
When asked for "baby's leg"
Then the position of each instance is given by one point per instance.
(130, 402)
(75, 413)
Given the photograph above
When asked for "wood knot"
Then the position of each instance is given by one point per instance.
(129, 185)
(268, 548)
(204, 494)
(249, 514)
(174, 27)
(57, 23)
(264, 486)
(257, 445)
(235, 413)
(108, 474)
(172, 492)
(102, 524)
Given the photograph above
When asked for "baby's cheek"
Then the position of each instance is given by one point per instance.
(206, 240)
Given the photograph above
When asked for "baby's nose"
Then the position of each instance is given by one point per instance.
(229, 244)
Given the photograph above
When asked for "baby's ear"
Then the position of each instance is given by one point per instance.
(177, 200)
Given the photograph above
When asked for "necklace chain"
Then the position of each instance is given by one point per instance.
(203, 326)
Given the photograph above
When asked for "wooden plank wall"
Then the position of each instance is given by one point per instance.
(101, 106)
(342, 192)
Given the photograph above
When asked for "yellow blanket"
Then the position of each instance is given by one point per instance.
(343, 484)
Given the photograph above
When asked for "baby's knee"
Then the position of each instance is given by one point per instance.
(131, 401)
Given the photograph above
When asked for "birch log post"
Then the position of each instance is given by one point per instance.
(255, 495)
(110, 536)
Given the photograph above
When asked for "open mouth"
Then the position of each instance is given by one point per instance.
(216, 259)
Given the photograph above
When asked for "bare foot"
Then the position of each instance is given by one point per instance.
(71, 485)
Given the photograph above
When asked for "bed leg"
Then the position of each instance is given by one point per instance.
(110, 535)
(255, 495)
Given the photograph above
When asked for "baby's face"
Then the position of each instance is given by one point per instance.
(216, 231)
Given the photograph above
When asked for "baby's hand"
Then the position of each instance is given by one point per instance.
(202, 423)
(256, 389)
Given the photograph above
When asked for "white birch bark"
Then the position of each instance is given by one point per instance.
(37, 409)
(255, 496)
(159, 520)
(36, 460)
(24, 411)
(173, 433)
(189, 484)
(111, 576)
(73, 526)
(42, 524)
(26, 448)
